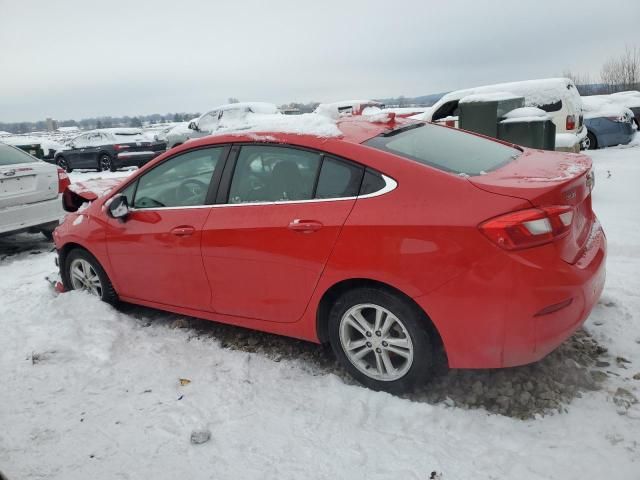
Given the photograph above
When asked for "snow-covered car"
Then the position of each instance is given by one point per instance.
(629, 99)
(347, 107)
(108, 149)
(216, 119)
(608, 123)
(30, 191)
(556, 96)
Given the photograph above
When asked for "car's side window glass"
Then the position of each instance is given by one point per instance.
(128, 192)
(80, 141)
(372, 182)
(180, 181)
(266, 173)
(338, 179)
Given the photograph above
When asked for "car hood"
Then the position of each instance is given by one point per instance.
(80, 193)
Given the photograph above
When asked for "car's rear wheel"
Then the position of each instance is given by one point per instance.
(381, 339)
(64, 164)
(591, 142)
(84, 272)
(105, 164)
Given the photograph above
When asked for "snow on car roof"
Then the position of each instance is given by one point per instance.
(305, 124)
(598, 106)
(629, 99)
(488, 97)
(535, 92)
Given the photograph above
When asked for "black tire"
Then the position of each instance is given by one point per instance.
(414, 322)
(105, 163)
(593, 143)
(63, 164)
(108, 293)
(48, 234)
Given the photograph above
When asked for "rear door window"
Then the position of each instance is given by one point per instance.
(265, 173)
(445, 148)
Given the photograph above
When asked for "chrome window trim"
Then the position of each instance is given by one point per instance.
(390, 185)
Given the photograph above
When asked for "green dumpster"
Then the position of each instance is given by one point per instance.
(533, 132)
(481, 113)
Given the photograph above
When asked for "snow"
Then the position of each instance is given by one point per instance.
(535, 93)
(488, 97)
(307, 124)
(602, 106)
(527, 112)
(94, 392)
(630, 99)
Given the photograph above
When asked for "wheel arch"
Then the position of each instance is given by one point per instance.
(336, 290)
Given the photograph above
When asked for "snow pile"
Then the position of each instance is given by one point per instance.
(526, 114)
(599, 106)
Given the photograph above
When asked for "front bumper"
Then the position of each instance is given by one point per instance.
(501, 312)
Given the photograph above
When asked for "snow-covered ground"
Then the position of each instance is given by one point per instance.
(89, 391)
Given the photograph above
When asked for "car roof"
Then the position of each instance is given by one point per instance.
(353, 129)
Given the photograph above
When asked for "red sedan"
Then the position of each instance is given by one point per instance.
(384, 241)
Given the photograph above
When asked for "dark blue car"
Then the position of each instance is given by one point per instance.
(607, 124)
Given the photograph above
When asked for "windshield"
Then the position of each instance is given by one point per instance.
(11, 156)
(445, 148)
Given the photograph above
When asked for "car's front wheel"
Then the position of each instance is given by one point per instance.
(381, 339)
(590, 142)
(84, 272)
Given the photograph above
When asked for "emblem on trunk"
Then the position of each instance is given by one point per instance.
(570, 195)
(10, 173)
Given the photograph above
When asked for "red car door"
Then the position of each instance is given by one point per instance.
(265, 249)
(155, 252)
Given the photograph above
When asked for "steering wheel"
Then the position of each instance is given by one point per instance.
(191, 189)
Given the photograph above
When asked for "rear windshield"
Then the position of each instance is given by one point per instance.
(12, 156)
(445, 148)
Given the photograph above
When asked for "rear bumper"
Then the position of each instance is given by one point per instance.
(571, 142)
(23, 217)
(135, 159)
(501, 312)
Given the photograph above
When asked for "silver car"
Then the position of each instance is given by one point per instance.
(216, 119)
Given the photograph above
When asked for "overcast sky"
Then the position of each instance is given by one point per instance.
(74, 59)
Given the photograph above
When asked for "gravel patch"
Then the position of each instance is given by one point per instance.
(543, 388)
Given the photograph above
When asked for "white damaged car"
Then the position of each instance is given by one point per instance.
(30, 193)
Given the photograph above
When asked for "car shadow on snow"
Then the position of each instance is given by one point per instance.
(14, 247)
(542, 388)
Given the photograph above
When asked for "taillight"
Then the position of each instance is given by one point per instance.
(121, 147)
(571, 122)
(528, 228)
(63, 180)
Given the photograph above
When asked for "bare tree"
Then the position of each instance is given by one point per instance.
(623, 72)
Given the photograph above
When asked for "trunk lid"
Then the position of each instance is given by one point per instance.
(80, 193)
(547, 179)
(24, 183)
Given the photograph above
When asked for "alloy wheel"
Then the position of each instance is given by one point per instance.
(376, 342)
(84, 277)
(105, 163)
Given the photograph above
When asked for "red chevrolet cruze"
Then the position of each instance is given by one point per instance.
(385, 241)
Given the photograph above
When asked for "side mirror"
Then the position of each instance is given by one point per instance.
(193, 126)
(119, 207)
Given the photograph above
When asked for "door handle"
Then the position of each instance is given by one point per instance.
(304, 226)
(183, 231)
